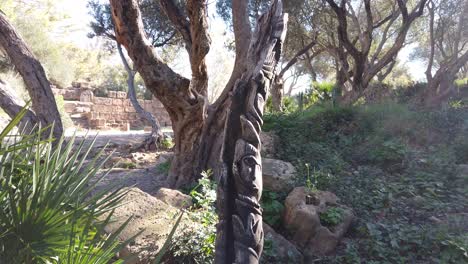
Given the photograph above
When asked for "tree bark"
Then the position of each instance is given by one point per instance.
(198, 127)
(239, 231)
(364, 69)
(277, 90)
(156, 133)
(12, 105)
(277, 94)
(183, 99)
(33, 74)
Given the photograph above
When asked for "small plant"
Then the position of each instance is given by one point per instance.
(272, 204)
(49, 214)
(167, 143)
(197, 244)
(332, 216)
(164, 167)
(128, 165)
(309, 184)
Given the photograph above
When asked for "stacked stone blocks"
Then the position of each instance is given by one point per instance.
(112, 112)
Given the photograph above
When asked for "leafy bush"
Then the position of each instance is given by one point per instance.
(164, 167)
(395, 165)
(289, 105)
(386, 153)
(272, 204)
(332, 216)
(197, 244)
(49, 211)
(167, 143)
(127, 165)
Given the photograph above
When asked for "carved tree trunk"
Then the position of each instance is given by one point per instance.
(12, 105)
(239, 231)
(33, 74)
(156, 133)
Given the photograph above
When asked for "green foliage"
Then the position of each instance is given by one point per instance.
(164, 167)
(460, 148)
(289, 105)
(167, 143)
(385, 153)
(127, 165)
(197, 245)
(66, 120)
(272, 204)
(395, 166)
(332, 216)
(49, 212)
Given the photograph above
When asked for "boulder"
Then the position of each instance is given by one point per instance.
(165, 157)
(269, 141)
(277, 249)
(302, 219)
(151, 216)
(462, 171)
(278, 175)
(174, 198)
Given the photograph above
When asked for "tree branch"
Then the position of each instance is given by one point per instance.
(295, 58)
(12, 105)
(167, 85)
(178, 19)
(201, 41)
(34, 76)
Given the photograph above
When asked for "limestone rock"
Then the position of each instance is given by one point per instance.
(174, 198)
(269, 141)
(151, 216)
(165, 157)
(277, 249)
(278, 175)
(302, 220)
(462, 171)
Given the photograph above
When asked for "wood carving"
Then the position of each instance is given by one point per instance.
(240, 231)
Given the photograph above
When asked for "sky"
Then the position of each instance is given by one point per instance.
(79, 20)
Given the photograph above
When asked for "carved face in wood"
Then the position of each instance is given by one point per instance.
(247, 169)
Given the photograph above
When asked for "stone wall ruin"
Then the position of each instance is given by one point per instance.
(115, 111)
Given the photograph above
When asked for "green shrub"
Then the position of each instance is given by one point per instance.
(395, 165)
(460, 146)
(386, 153)
(127, 165)
(164, 167)
(197, 245)
(167, 143)
(332, 216)
(49, 211)
(272, 204)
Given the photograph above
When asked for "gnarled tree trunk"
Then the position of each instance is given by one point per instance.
(198, 127)
(184, 100)
(33, 74)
